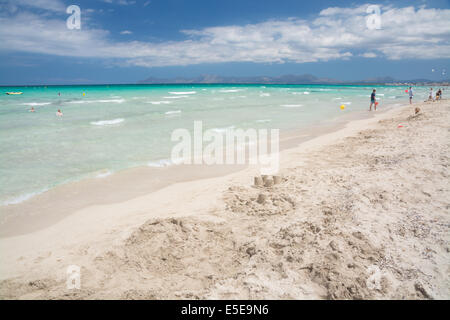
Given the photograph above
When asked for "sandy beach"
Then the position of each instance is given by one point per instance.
(361, 213)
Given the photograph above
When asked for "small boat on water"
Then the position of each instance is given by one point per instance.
(13, 93)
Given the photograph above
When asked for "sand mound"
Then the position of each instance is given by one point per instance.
(260, 201)
(12, 288)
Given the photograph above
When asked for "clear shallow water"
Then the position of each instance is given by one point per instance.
(116, 127)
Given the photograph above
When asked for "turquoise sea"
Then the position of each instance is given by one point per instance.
(114, 127)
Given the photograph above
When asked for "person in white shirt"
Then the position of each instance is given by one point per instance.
(411, 94)
(430, 97)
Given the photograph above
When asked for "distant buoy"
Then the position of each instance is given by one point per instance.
(342, 107)
(406, 91)
(84, 94)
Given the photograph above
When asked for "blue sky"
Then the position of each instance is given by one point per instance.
(124, 41)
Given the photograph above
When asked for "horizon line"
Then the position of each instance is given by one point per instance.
(399, 83)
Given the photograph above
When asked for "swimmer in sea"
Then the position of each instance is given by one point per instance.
(59, 113)
(32, 109)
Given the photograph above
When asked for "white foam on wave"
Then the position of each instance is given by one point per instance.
(222, 130)
(264, 95)
(99, 101)
(264, 120)
(231, 90)
(291, 105)
(22, 198)
(176, 97)
(337, 98)
(173, 112)
(35, 104)
(107, 122)
(103, 174)
(183, 92)
(305, 92)
(160, 163)
(348, 102)
(159, 102)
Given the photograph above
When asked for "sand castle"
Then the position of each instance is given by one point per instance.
(266, 181)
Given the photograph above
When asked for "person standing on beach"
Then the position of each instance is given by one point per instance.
(430, 97)
(438, 94)
(59, 113)
(411, 95)
(373, 101)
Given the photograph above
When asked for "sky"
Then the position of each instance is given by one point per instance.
(124, 41)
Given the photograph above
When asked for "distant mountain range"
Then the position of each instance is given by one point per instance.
(285, 79)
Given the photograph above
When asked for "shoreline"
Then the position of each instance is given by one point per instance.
(335, 133)
(52, 205)
(362, 213)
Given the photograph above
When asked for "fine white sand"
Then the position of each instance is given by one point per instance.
(361, 213)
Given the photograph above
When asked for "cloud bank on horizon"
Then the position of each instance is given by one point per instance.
(335, 33)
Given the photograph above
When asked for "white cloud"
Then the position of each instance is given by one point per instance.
(126, 32)
(369, 55)
(335, 11)
(126, 2)
(48, 5)
(121, 2)
(336, 33)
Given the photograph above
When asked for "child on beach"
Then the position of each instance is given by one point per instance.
(373, 101)
(59, 113)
